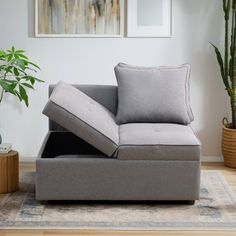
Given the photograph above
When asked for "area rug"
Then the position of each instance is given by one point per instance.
(216, 210)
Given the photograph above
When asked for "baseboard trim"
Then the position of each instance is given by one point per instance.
(27, 159)
(212, 159)
(203, 159)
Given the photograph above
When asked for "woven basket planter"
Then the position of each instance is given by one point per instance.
(229, 145)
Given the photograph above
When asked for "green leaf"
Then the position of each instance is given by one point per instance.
(6, 87)
(16, 72)
(224, 5)
(32, 79)
(228, 9)
(2, 53)
(24, 95)
(39, 80)
(233, 4)
(9, 57)
(221, 64)
(219, 59)
(10, 81)
(8, 69)
(27, 85)
(20, 63)
(13, 86)
(18, 95)
(22, 56)
(31, 63)
(20, 51)
(13, 49)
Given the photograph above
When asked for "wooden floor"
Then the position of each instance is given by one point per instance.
(230, 175)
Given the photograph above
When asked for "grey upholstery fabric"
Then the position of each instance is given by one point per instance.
(84, 117)
(158, 142)
(106, 95)
(80, 178)
(69, 168)
(158, 94)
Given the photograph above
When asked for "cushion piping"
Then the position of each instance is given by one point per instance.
(153, 145)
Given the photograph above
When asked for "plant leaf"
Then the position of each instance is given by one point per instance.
(2, 54)
(20, 63)
(7, 87)
(221, 64)
(32, 78)
(9, 57)
(31, 63)
(228, 8)
(16, 72)
(18, 95)
(13, 86)
(27, 85)
(22, 56)
(20, 51)
(224, 5)
(24, 95)
(233, 4)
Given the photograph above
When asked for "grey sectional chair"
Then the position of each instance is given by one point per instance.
(154, 161)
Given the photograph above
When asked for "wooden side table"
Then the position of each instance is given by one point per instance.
(9, 172)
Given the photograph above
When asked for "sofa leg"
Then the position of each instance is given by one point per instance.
(191, 202)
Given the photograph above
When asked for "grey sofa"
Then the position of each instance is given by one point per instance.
(68, 168)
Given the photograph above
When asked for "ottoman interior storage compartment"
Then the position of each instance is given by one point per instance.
(58, 143)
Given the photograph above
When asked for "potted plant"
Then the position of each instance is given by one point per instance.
(17, 74)
(228, 74)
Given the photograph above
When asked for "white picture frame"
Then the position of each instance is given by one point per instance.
(162, 30)
(40, 35)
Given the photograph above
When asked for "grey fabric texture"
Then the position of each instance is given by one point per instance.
(153, 94)
(87, 178)
(81, 115)
(139, 141)
(106, 95)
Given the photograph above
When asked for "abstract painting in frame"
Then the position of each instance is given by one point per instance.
(79, 18)
(149, 18)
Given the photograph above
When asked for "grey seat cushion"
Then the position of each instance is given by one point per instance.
(153, 94)
(86, 118)
(158, 142)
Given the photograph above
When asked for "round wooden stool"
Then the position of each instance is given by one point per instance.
(9, 172)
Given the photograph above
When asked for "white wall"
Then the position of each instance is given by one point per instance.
(91, 61)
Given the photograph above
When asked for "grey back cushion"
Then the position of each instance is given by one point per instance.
(83, 116)
(153, 94)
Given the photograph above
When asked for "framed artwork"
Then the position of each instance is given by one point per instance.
(79, 18)
(149, 18)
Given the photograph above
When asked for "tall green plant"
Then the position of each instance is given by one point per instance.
(17, 74)
(228, 64)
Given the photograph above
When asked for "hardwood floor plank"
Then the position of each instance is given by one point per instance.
(113, 233)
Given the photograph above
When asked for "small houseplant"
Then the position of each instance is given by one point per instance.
(228, 74)
(17, 74)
